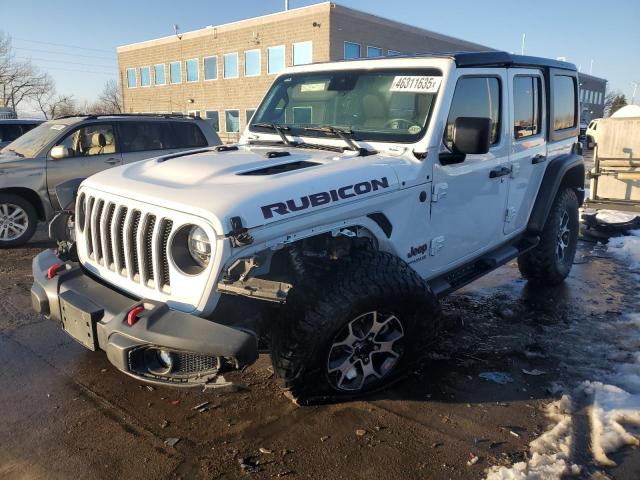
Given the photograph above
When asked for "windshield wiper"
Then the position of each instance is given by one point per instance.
(279, 129)
(13, 151)
(345, 134)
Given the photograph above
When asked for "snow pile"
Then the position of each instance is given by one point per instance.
(549, 453)
(612, 408)
(614, 216)
(627, 248)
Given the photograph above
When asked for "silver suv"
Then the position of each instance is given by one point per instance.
(77, 147)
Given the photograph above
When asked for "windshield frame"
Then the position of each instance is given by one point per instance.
(33, 152)
(358, 135)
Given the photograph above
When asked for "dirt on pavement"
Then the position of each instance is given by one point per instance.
(66, 412)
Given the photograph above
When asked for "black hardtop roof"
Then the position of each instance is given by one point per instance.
(22, 120)
(489, 59)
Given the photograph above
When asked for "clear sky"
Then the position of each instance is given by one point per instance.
(50, 32)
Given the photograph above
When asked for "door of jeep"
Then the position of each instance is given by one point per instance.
(528, 154)
(469, 198)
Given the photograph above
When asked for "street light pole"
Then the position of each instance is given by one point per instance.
(633, 96)
(524, 37)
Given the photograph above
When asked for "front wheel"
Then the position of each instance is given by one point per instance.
(354, 333)
(550, 261)
(18, 220)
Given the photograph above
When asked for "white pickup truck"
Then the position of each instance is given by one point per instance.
(360, 193)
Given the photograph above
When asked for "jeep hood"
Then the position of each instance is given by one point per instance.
(247, 183)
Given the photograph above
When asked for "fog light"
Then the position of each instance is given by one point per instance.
(165, 359)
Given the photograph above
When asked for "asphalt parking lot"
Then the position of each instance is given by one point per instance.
(66, 412)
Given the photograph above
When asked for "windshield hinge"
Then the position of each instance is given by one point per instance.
(239, 235)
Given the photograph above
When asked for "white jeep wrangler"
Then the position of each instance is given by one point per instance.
(360, 193)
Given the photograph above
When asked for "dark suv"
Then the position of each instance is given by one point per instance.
(10, 129)
(77, 147)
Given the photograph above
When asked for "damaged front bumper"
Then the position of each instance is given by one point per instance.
(144, 339)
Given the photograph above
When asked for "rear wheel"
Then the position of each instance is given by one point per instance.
(18, 220)
(550, 262)
(354, 331)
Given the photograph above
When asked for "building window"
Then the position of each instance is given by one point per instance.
(145, 76)
(564, 108)
(248, 114)
(526, 106)
(351, 50)
(210, 66)
(302, 115)
(175, 72)
(252, 63)
(192, 70)
(373, 52)
(213, 119)
(393, 53)
(302, 53)
(159, 74)
(475, 97)
(193, 113)
(230, 65)
(232, 121)
(275, 59)
(131, 77)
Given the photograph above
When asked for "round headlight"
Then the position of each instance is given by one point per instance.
(199, 246)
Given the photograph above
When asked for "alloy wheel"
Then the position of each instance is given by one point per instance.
(564, 235)
(365, 351)
(14, 221)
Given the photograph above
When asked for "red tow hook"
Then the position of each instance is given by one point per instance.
(132, 316)
(52, 271)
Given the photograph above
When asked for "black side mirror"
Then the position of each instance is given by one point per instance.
(471, 135)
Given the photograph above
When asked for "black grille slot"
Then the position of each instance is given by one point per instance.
(165, 280)
(88, 228)
(135, 262)
(192, 363)
(148, 247)
(121, 262)
(108, 254)
(98, 246)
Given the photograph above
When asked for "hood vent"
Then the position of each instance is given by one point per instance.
(282, 168)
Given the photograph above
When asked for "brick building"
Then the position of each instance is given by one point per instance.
(221, 72)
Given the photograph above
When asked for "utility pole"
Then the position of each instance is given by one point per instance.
(524, 37)
(591, 67)
(286, 5)
(633, 96)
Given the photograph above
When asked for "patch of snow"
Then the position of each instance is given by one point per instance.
(549, 453)
(615, 216)
(612, 409)
(627, 248)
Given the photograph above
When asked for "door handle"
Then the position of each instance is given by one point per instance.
(499, 172)
(112, 161)
(538, 159)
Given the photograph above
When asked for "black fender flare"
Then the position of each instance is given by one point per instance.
(563, 171)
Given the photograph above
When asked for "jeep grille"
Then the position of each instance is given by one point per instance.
(128, 241)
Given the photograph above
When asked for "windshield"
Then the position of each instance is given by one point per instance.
(30, 144)
(381, 105)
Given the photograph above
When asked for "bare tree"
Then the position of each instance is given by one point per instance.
(109, 101)
(19, 80)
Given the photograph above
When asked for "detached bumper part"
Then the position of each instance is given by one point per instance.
(162, 346)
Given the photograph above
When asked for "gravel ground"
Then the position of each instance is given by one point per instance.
(66, 412)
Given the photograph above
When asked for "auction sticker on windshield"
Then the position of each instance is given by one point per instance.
(415, 84)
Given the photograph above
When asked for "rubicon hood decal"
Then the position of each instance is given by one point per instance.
(323, 198)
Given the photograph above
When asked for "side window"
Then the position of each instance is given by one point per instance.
(145, 136)
(564, 105)
(93, 139)
(526, 106)
(188, 135)
(475, 97)
(213, 119)
(9, 132)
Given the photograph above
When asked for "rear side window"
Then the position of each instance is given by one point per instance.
(8, 133)
(564, 104)
(526, 106)
(145, 136)
(475, 97)
(188, 135)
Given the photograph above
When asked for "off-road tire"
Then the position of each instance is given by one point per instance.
(31, 216)
(318, 309)
(542, 265)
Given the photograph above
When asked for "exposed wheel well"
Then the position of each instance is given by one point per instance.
(29, 195)
(574, 178)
